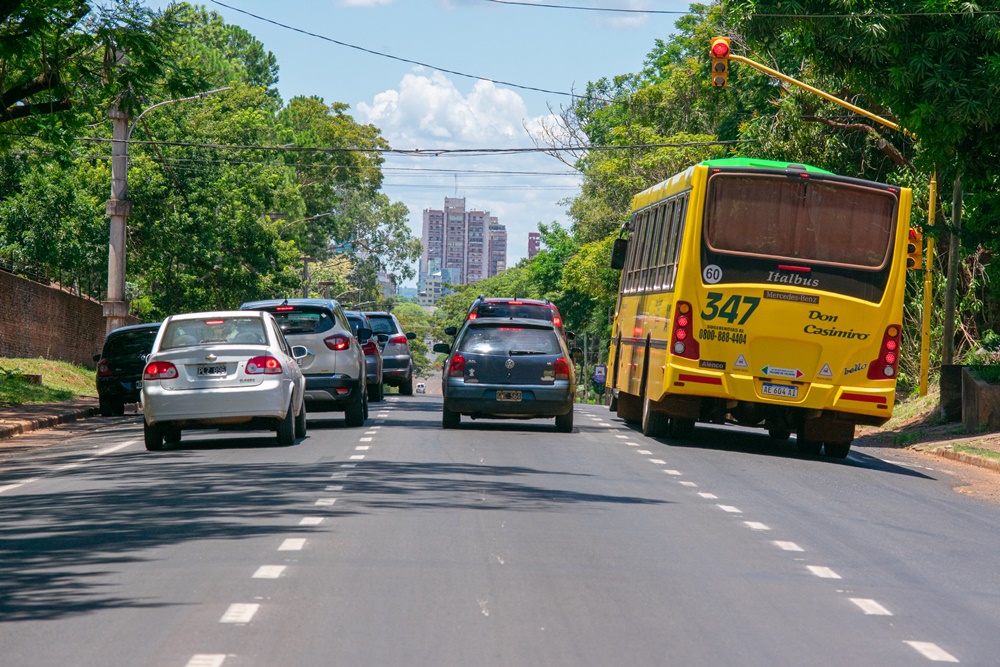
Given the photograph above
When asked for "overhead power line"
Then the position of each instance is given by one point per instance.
(392, 57)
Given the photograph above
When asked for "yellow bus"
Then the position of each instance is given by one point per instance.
(760, 293)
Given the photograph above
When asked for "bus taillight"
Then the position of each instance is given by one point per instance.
(886, 365)
(682, 342)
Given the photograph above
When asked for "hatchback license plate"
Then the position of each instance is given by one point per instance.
(214, 369)
(510, 396)
(787, 391)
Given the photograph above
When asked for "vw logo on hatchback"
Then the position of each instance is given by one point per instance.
(509, 364)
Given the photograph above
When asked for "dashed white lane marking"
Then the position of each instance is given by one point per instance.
(292, 544)
(932, 651)
(363, 448)
(325, 502)
(357, 457)
(207, 660)
(672, 472)
(645, 452)
(633, 444)
(788, 546)
(239, 613)
(364, 440)
(335, 487)
(338, 475)
(603, 424)
(660, 462)
(371, 432)
(69, 466)
(375, 428)
(708, 496)
(756, 525)
(311, 521)
(870, 607)
(688, 484)
(269, 572)
(348, 465)
(730, 509)
(823, 572)
(622, 437)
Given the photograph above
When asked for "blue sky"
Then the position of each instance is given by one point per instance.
(558, 50)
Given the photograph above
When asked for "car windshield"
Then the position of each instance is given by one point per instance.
(214, 331)
(510, 341)
(526, 310)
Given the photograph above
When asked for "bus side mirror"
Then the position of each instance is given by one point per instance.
(618, 254)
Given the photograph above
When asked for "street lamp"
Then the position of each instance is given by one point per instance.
(119, 208)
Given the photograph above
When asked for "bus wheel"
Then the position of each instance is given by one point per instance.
(654, 424)
(681, 428)
(629, 407)
(779, 434)
(837, 450)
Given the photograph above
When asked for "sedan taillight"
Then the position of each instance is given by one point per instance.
(562, 368)
(265, 365)
(102, 369)
(456, 368)
(338, 342)
(159, 370)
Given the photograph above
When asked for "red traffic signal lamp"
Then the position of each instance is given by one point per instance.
(720, 61)
(914, 249)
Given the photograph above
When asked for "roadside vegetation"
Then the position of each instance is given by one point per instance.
(61, 381)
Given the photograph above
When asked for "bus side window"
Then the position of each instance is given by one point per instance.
(649, 242)
(663, 245)
(634, 248)
(676, 239)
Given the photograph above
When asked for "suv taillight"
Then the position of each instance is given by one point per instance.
(456, 368)
(682, 342)
(337, 342)
(472, 316)
(102, 369)
(398, 339)
(370, 347)
(159, 370)
(562, 368)
(263, 365)
(886, 365)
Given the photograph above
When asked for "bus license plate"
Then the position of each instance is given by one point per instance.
(784, 390)
(214, 369)
(511, 396)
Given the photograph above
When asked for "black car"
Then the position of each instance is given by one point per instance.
(120, 364)
(508, 368)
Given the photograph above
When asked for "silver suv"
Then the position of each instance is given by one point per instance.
(334, 368)
(397, 360)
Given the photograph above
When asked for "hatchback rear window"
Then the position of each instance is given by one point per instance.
(510, 341)
(130, 343)
(526, 310)
(214, 331)
(302, 320)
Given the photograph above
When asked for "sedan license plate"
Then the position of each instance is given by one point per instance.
(510, 396)
(213, 369)
(784, 390)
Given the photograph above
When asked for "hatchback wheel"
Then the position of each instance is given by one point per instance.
(111, 408)
(354, 415)
(376, 392)
(286, 428)
(153, 435)
(564, 423)
(406, 389)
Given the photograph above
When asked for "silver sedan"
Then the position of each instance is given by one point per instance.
(222, 368)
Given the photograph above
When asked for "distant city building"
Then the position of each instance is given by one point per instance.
(534, 243)
(464, 246)
(433, 290)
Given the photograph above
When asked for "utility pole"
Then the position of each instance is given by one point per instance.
(118, 208)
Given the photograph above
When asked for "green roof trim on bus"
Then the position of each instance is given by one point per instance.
(761, 164)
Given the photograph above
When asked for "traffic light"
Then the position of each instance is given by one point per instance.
(914, 249)
(720, 61)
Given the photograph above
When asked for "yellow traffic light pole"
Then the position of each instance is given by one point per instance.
(925, 327)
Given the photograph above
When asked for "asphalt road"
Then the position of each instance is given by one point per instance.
(500, 543)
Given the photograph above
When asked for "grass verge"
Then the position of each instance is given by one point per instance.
(61, 381)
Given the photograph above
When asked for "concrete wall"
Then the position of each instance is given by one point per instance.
(41, 321)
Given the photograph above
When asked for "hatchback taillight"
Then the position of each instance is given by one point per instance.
(102, 369)
(886, 365)
(562, 368)
(472, 316)
(682, 342)
(556, 320)
(370, 347)
(456, 368)
(159, 370)
(398, 339)
(263, 365)
(337, 342)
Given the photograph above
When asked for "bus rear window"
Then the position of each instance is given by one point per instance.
(800, 220)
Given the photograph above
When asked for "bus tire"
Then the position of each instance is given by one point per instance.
(807, 447)
(837, 450)
(654, 424)
(779, 434)
(681, 428)
(629, 408)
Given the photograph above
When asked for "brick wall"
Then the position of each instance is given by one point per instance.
(40, 321)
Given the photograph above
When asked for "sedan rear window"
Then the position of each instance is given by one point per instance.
(510, 341)
(214, 331)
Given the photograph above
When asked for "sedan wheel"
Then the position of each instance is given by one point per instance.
(300, 422)
(153, 436)
(286, 429)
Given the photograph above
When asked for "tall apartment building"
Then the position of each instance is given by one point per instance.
(465, 246)
(534, 243)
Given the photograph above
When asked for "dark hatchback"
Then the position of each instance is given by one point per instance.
(120, 364)
(508, 369)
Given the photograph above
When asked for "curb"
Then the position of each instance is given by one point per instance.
(971, 459)
(10, 428)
